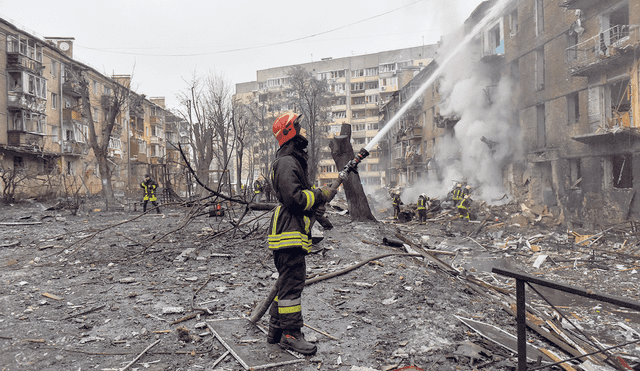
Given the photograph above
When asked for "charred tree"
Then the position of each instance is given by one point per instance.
(342, 153)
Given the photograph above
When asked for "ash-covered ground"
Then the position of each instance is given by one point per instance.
(92, 291)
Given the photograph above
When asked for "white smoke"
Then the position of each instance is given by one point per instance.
(484, 107)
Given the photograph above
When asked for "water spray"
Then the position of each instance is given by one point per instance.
(352, 165)
(491, 15)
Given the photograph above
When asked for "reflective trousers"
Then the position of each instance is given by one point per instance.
(286, 309)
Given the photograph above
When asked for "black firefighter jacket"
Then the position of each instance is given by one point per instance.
(292, 220)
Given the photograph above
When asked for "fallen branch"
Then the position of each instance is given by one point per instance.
(262, 308)
(321, 332)
(140, 355)
(85, 312)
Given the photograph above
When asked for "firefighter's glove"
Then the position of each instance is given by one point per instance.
(320, 210)
(328, 193)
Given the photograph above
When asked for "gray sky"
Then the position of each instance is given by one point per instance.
(163, 43)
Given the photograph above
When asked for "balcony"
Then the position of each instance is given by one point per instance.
(69, 114)
(72, 88)
(603, 51)
(18, 62)
(22, 101)
(74, 148)
(446, 122)
(155, 120)
(413, 159)
(577, 4)
(25, 139)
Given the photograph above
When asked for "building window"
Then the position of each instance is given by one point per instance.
(54, 100)
(371, 71)
(576, 173)
(54, 68)
(614, 28)
(572, 46)
(539, 68)
(541, 126)
(494, 43)
(18, 163)
(95, 87)
(71, 168)
(357, 86)
(372, 85)
(513, 23)
(107, 90)
(539, 9)
(357, 73)
(621, 169)
(573, 108)
(389, 67)
(340, 115)
(357, 100)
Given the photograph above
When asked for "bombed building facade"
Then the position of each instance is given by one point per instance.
(538, 106)
(44, 123)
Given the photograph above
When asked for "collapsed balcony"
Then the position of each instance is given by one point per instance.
(446, 122)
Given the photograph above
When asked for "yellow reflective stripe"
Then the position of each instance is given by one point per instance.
(311, 199)
(276, 298)
(307, 223)
(289, 239)
(276, 214)
(287, 310)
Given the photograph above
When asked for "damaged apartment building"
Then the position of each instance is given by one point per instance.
(44, 126)
(569, 109)
(359, 86)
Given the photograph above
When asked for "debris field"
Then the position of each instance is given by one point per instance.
(117, 290)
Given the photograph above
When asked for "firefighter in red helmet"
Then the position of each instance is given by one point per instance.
(290, 232)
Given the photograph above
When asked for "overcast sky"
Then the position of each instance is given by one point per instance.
(162, 43)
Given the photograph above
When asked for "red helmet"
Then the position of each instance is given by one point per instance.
(286, 127)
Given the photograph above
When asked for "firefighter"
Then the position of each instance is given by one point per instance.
(396, 205)
(464, 206)
(149, 185)
(457, 195)
(257, 189)
(422, 208)
(466, 191)
(290, 232)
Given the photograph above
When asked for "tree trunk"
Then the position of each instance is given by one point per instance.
(107, 190)
(342, 153)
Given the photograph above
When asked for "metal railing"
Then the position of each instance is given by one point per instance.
(602, 46)
(522, 279)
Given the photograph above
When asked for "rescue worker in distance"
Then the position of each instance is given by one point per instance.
(257, 190)
(396, 205)
(290, 232)
(457, 195)
(149, 185)
(423, 201)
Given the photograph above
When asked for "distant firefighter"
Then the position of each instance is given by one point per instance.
(464, 206)
(423, 201)
(396, 205)
(149, 185)
(458, 195)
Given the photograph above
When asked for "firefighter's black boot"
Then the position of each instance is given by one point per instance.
(294, 340)
(274, 335)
